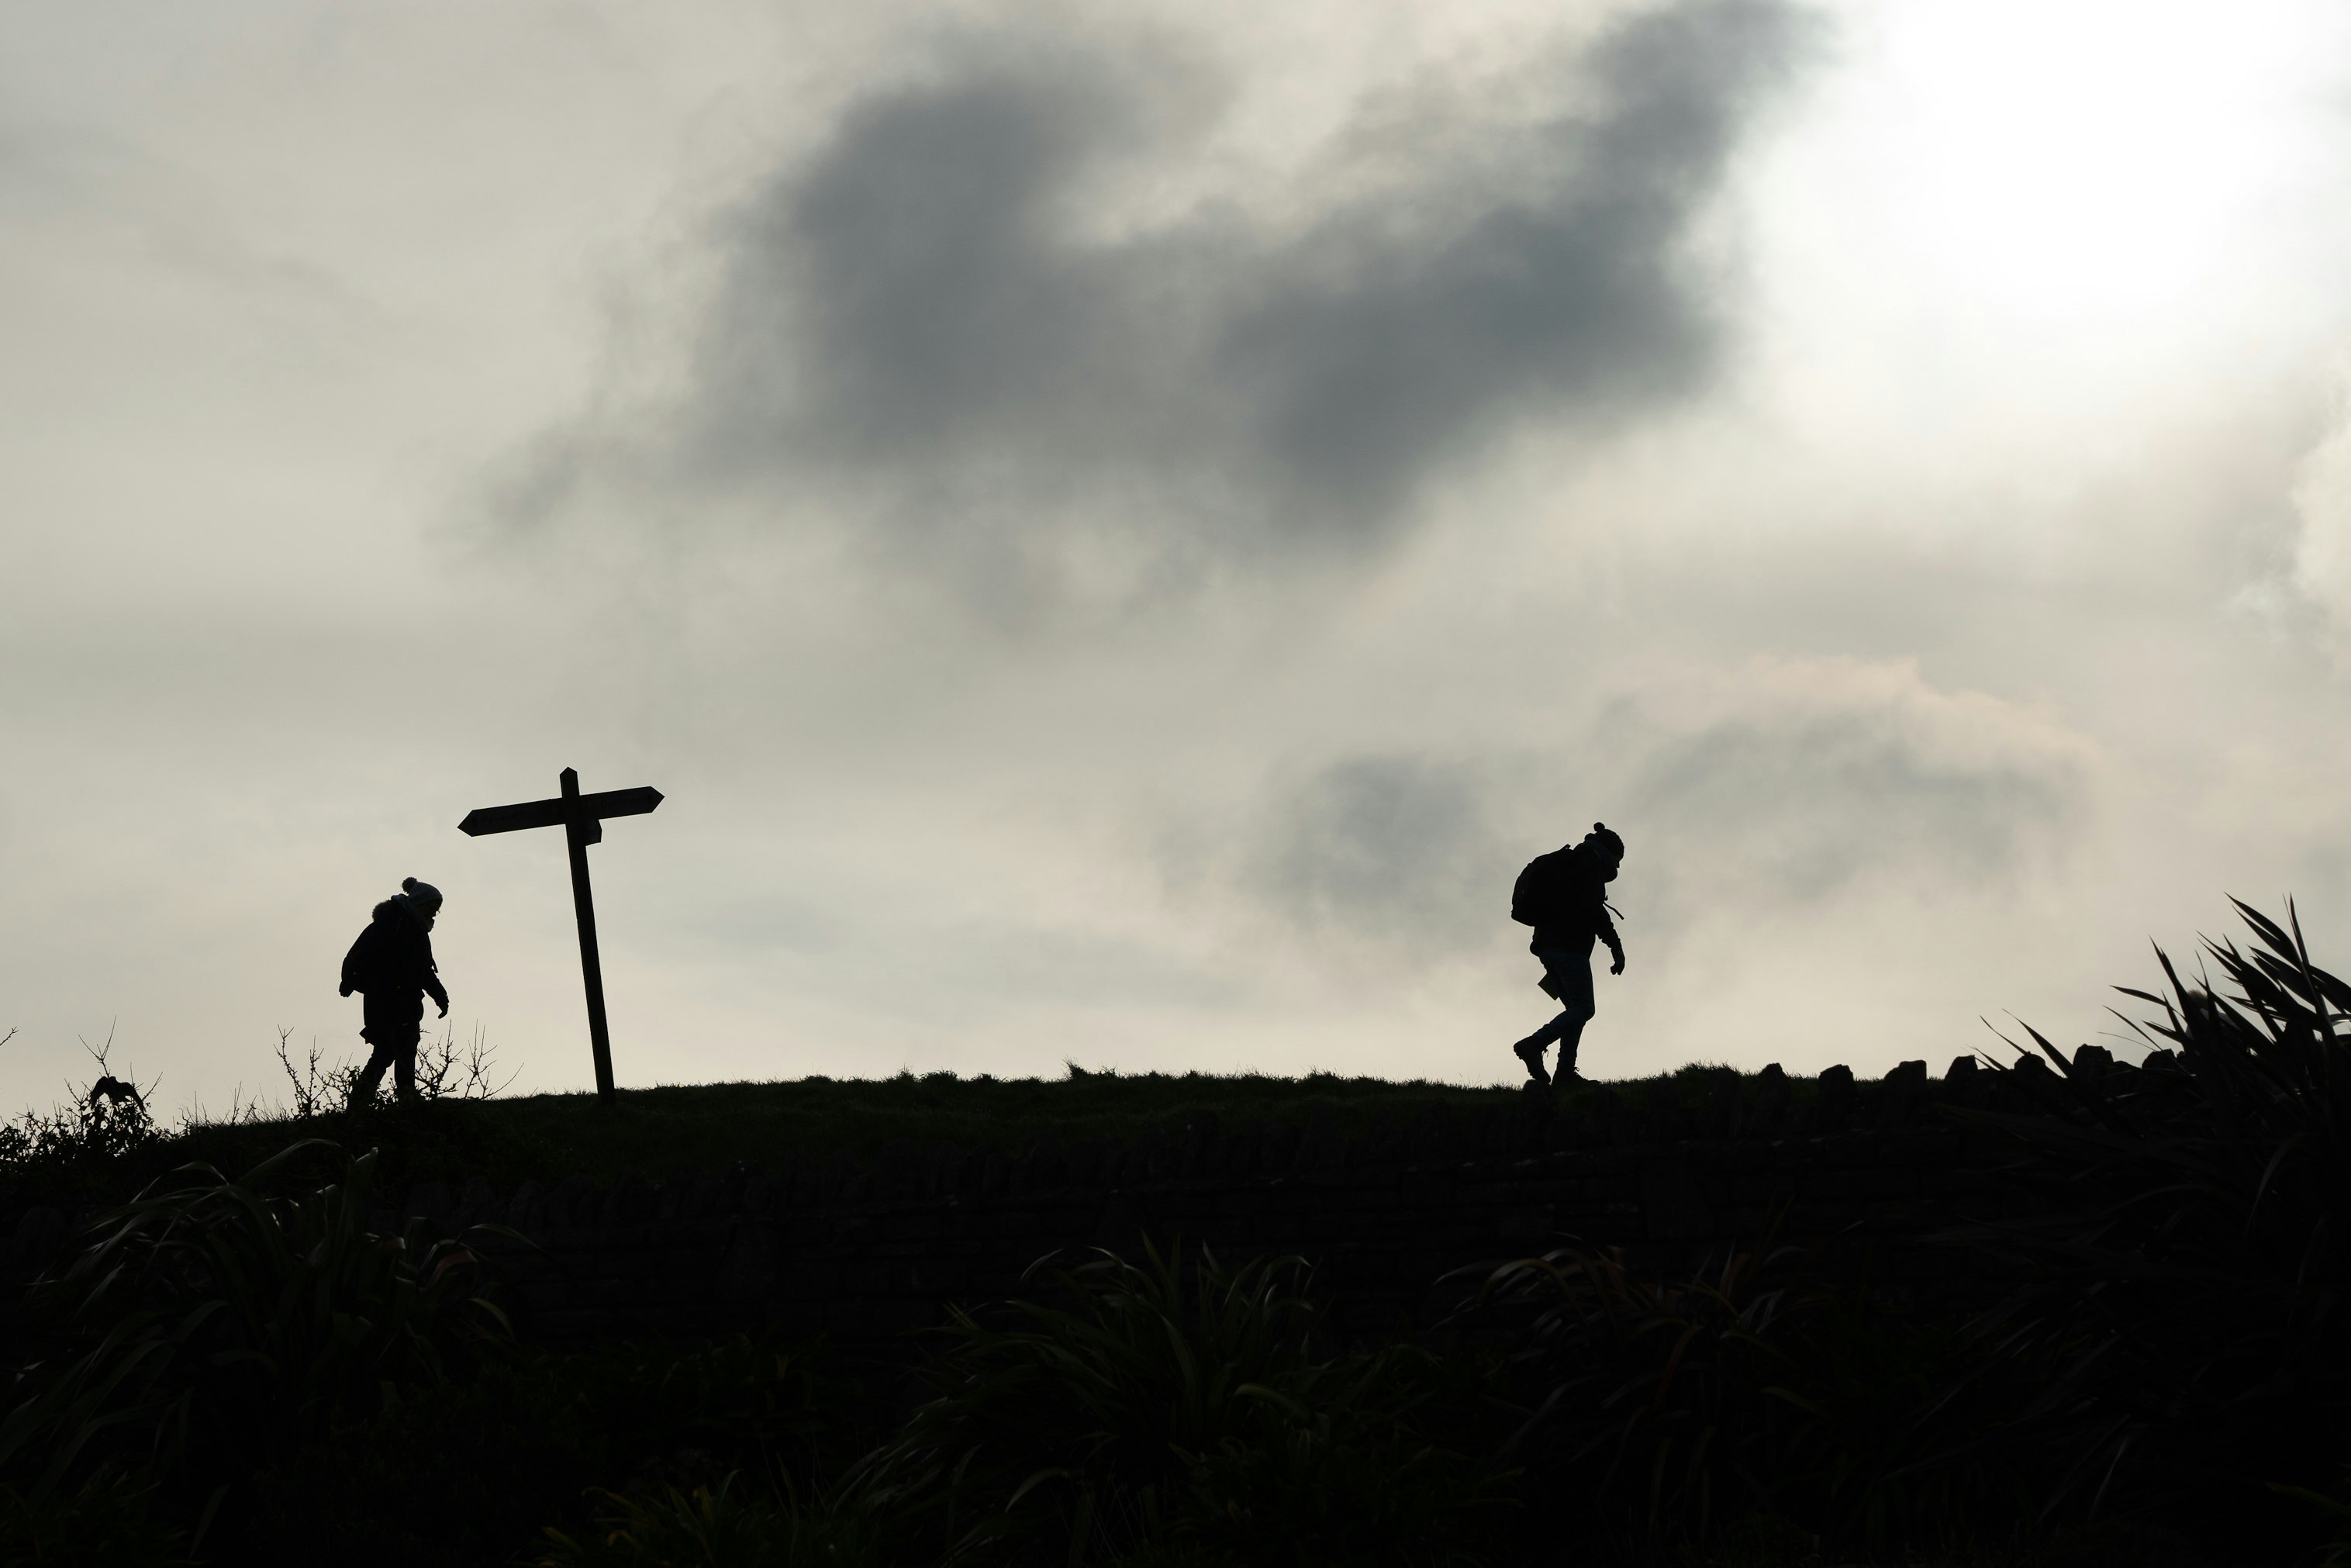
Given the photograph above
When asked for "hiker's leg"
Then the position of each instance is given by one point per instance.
(370, 1077)
(1569, 1037)
(404, 1070)
(1530, 1050)
(381, 1028)
(1573, 980)
(1551, 1032)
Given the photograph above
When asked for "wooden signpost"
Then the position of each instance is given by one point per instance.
(582, 819)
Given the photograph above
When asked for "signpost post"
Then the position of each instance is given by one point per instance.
(582, 820)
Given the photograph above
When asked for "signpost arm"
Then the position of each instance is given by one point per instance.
(576, 836)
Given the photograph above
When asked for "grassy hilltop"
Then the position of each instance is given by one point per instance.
(713, 1125)
(709, 1126)
(656, 1131)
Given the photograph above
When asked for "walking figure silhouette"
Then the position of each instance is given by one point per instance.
(1564, 896)
(392, 965)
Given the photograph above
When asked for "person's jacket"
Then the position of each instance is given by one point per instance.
(393, 959)
(1575, 909)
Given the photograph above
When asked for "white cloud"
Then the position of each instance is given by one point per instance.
(2322, 501)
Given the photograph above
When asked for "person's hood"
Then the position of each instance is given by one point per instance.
(401, 903)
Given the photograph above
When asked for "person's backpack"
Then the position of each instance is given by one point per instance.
(1540, 892)
(364, 965)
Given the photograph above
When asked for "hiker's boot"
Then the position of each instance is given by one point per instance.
(1531, 1053)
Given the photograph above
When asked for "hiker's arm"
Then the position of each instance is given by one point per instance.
(432, 987)
(1615, 943)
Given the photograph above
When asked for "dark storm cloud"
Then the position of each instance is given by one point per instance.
(1804, 790)
(930, 316)
(1796, 810)
(1397, 847)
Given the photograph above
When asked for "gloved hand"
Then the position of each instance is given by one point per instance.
(344, 992)
(1618, 967)
(444, 1006)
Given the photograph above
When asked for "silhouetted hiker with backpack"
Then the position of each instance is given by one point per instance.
(1564, 896)
(391, 963)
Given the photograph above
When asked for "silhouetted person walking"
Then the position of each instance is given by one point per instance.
(391, 963)
(1564, 896)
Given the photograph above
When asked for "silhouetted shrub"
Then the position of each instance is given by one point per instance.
(106, 1522)
(1914, 1431)
(67, 1148)
(1174, 1406)
(721, 1525)
(1653, 1412)
(1765, 1402)
(210, 1323)
(476, 1470)
(2188, 1246)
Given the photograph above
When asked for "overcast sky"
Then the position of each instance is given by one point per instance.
(1119, 530)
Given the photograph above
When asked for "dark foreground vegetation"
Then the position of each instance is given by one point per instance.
(2157, 1370)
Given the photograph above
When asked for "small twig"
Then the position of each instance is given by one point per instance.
(99, 1053)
